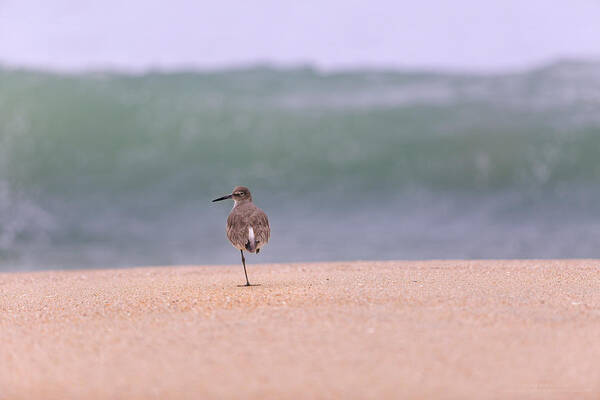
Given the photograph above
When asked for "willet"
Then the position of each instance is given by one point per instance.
(247, 225)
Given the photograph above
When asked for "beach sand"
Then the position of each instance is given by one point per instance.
(376, 330)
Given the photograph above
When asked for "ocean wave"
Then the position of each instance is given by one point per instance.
(88, 161)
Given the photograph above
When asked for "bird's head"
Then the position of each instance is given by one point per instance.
(240, 193)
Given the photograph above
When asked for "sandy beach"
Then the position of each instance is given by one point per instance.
(431, 329)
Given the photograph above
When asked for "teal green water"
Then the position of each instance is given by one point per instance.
(106, 169)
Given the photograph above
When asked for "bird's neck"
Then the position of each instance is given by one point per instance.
(237, 203)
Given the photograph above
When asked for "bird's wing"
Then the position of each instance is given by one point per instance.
(260, 225)
(237, 230)
(238, 224)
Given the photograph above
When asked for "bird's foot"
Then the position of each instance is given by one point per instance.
(250, 284)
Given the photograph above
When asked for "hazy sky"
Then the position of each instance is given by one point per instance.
(138, 34)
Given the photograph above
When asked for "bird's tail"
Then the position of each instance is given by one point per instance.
(251, 244)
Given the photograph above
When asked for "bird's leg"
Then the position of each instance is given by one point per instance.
(245, 273)
(244, 263)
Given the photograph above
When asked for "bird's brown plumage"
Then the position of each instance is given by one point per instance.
(244, 215)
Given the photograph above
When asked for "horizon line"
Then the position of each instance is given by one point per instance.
(291, 66)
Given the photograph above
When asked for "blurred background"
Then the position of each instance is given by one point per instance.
(366, 130)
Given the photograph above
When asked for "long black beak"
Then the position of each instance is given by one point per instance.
(223, 198)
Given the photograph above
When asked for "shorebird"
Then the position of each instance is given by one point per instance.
(247, 225)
